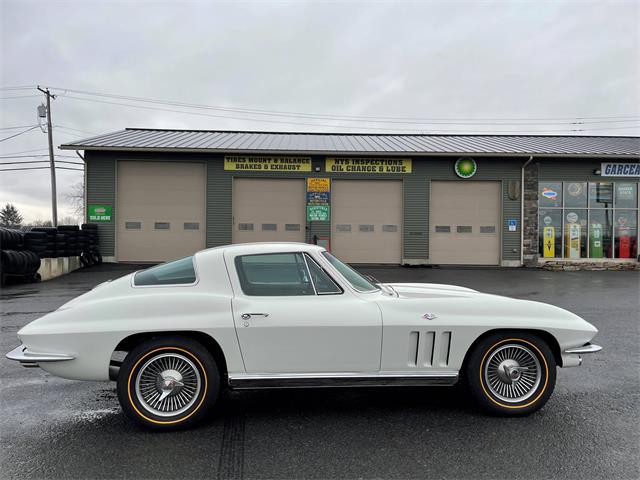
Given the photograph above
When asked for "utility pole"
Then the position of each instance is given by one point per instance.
(54, 198)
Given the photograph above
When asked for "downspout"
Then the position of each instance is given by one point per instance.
(84, 187)
(522, 209)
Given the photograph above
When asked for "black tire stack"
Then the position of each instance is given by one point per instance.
(90, 253)
(37, 242)
(14, 260)
(72, 234)
(50, 233)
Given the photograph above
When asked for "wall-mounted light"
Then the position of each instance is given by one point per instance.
(317, 168)
(597, 171)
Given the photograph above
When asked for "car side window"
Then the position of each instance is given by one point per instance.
(274, 274)
(178, 272)
(323, 282)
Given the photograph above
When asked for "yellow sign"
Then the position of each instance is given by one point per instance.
(318, 184)
(549, 241)
(268, 164)
(368, 165)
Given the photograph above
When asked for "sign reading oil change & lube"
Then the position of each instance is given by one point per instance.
(368, 165)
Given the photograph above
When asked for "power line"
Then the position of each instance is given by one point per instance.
(18, 126)
(40, 155)
(367, 119)
(39, 161)
(19, 96)
(325, 125)
(27, 151)
(40, 168)
(27, 130)
(18, 87)
(75, 129)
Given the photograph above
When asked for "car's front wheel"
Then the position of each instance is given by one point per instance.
(511, 373)
(168, 382)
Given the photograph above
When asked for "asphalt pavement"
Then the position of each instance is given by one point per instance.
(56, 428)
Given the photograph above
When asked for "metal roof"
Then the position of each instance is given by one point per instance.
(144, 139)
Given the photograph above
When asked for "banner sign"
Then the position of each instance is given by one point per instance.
(318, 184)
(620, 170)
(268, 164)
(318, 198)
(99, 213)
(318, 213)
(368, 165)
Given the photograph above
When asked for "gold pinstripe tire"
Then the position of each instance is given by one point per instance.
(168, 383)
(511, 373)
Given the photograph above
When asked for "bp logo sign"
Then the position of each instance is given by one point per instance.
(465, 167)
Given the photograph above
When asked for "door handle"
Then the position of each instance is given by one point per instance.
(247, 316)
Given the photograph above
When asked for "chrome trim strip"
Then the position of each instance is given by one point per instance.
(22, 355)
(588, 348)
(240, 382)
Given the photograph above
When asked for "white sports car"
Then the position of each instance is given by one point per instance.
(275, 315)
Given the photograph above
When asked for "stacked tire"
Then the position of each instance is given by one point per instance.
(16, 262)
(50, 236)
(11, 239)
(38, 243)
(90, 245)
(72, 237)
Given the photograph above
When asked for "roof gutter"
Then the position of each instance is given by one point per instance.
(524, 165)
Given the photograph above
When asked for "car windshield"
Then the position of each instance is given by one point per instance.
(356, 280)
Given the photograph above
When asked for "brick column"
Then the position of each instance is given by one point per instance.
(530, 219)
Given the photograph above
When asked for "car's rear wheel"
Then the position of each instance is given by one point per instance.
(511, 373)
(168, 383)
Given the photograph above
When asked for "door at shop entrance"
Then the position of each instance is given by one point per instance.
(464, 223)
(268, 210)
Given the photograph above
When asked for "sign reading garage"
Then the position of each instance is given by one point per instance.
(368, 165)
(270, 164)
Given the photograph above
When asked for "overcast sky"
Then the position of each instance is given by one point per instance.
(461, 61)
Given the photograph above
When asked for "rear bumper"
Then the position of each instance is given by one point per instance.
(572, 357)
(32, 359)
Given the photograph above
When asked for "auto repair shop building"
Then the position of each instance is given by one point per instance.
(379, 199)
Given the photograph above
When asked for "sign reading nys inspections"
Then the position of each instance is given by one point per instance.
(267, 164)
(368, 165)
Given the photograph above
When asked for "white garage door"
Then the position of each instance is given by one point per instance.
(269, 210)
(160, 210)
(366, 220)
(464, 224)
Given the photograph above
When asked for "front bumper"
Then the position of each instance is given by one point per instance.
(32, 359)
(572, 357)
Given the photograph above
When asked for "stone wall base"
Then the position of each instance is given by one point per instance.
(55, 267)
(574, 265)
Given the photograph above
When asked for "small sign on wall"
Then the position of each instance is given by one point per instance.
(512, 224)
(99, 213)
(620, 169)
(318, 213)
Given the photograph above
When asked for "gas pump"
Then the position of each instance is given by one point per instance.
(572, 238)
(595, 240)
(625, 242)
(549, 242)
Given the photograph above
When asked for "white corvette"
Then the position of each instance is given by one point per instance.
(275, 315)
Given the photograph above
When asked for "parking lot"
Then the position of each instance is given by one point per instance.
(55, 428)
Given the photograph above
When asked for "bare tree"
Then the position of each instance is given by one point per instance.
(75, 199)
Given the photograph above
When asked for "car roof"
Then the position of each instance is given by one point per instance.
(263, 247)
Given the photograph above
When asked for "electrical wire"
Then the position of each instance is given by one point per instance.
(386, 129)
(359, 118)
(40, 161)
(18, 87)
(19, 96)
(40, 168)
(74, 129)
(27, 130)
(17, 127)
(39, 155)
(28, 151)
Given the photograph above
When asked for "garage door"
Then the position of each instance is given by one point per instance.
(160, 210)
(268, 210)
(465, 223)
(366, 220)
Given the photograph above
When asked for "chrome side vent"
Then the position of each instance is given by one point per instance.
(414, 340)
(445, 348)
(429, 343)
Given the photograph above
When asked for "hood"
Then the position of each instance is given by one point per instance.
(427, 290)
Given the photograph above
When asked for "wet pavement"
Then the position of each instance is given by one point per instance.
(55, 428)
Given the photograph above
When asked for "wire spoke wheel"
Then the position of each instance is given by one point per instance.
(512, 373)
(168, 384)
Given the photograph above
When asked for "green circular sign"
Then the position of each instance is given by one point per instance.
(465, 167)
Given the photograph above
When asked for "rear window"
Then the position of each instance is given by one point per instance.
(178, 272)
